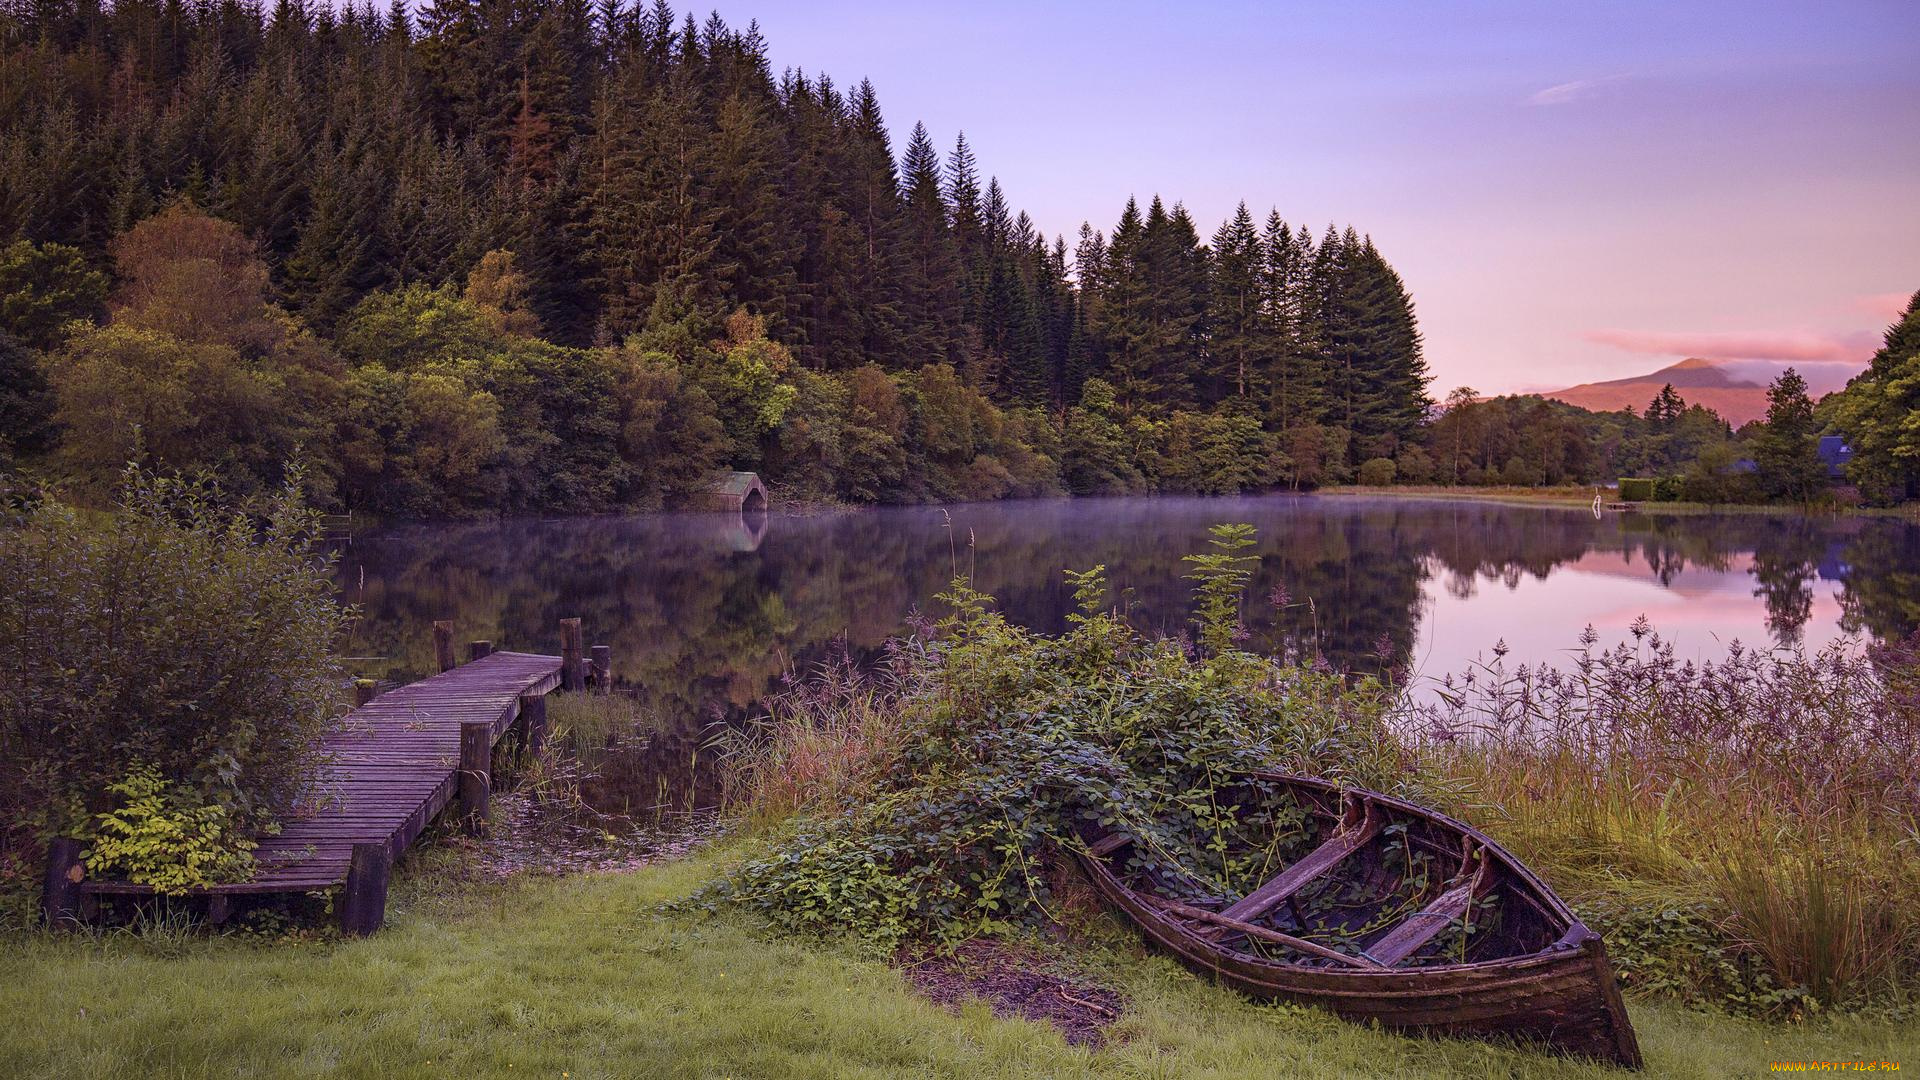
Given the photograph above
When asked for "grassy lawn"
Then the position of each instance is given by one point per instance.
(584, 978)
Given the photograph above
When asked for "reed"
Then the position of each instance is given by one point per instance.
(826, 743)
(1779, 792)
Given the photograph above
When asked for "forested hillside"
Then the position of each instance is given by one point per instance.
(511, 256)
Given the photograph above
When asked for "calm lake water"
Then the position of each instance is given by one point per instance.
(706, 612)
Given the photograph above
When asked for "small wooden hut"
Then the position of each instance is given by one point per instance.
(741, 491)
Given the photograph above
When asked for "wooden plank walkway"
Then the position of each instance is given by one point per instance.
(395, 764)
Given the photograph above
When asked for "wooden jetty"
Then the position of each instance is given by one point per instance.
(394, 764)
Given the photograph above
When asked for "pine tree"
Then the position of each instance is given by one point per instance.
(1239, 333)
(1787, 453)
(1664, 409)
(930, 271)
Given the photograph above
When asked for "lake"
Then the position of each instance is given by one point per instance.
(706, 612)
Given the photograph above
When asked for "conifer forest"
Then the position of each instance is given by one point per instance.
(500, 256)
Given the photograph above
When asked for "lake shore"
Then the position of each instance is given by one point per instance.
(1582, 497)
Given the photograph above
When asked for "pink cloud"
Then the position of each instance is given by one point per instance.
(1886, 305)
(1851, 347)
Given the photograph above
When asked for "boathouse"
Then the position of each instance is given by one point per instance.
(741, 491)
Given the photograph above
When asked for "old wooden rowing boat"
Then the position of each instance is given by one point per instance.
(1384, 911)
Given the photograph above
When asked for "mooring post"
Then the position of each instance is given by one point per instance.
(363, 902)
(571, 676)
(603, 668)
(533, 713)
(479, 650)
(443, 643)
(60, 899)
(476, 766)
(364, 690)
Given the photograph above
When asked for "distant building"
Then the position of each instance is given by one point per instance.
(740, 491)
(1835, 452)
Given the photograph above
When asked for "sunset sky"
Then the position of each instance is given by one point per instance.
(1573, 192)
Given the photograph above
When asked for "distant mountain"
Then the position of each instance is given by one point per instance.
(1736, 389)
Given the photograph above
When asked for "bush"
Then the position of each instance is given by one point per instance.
(150, 839)
(1636, 489)
(1377, 472)
(933, 802)
(175, 635)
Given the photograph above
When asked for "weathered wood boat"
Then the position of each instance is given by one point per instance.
(1391, 913)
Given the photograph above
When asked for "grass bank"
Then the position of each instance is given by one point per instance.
(1583, 497)
(585, 978)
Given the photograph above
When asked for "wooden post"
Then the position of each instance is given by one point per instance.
(219, 907)
(533, 713)
(476, 765)
(363, 902)
(60, 899)
(443, 643)
(570, 648)
(364, 690)
(479, 650)
(603, 668)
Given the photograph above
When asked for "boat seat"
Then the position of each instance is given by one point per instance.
(1417, 929)
(1360, 821)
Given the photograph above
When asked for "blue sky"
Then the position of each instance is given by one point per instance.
(1571, 191)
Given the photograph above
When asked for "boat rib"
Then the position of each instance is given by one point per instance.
(1360, 823)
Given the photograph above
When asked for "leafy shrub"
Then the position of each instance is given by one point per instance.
(1377, 472)
(1636, 489)
(1003, 743)
(1682, 952)
(176, 633)
(150, 839)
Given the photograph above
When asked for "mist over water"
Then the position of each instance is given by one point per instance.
(705, 612)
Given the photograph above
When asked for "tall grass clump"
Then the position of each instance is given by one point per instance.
(930, 803)
(1749, 828)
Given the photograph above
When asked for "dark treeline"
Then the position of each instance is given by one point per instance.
(504, 255)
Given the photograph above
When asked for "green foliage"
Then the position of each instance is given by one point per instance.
(27, 404)
(43, 289)
(1220, 582)
(1684, 952)
(151, 838)
(1879, 413)
(1637, 488)
(177, 633)
(1376, 472)
(1007, 743)
(1787, 452)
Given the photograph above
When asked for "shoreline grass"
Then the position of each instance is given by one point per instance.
(583, 977)
(1582, 497)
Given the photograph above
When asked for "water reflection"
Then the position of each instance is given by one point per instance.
(705, 612)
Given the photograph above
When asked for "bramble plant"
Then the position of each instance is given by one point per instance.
(153, 838)
(997, 745)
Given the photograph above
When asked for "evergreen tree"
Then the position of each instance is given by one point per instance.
(1787, 452)
(1240, 331)
(930, 273)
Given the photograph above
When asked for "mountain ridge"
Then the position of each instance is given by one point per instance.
(1737, 393)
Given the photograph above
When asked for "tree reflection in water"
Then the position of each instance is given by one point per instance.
(706, 612)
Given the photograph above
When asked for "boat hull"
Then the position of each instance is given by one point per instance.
(1564, 996)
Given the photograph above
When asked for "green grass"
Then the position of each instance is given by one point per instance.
(584, 978)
